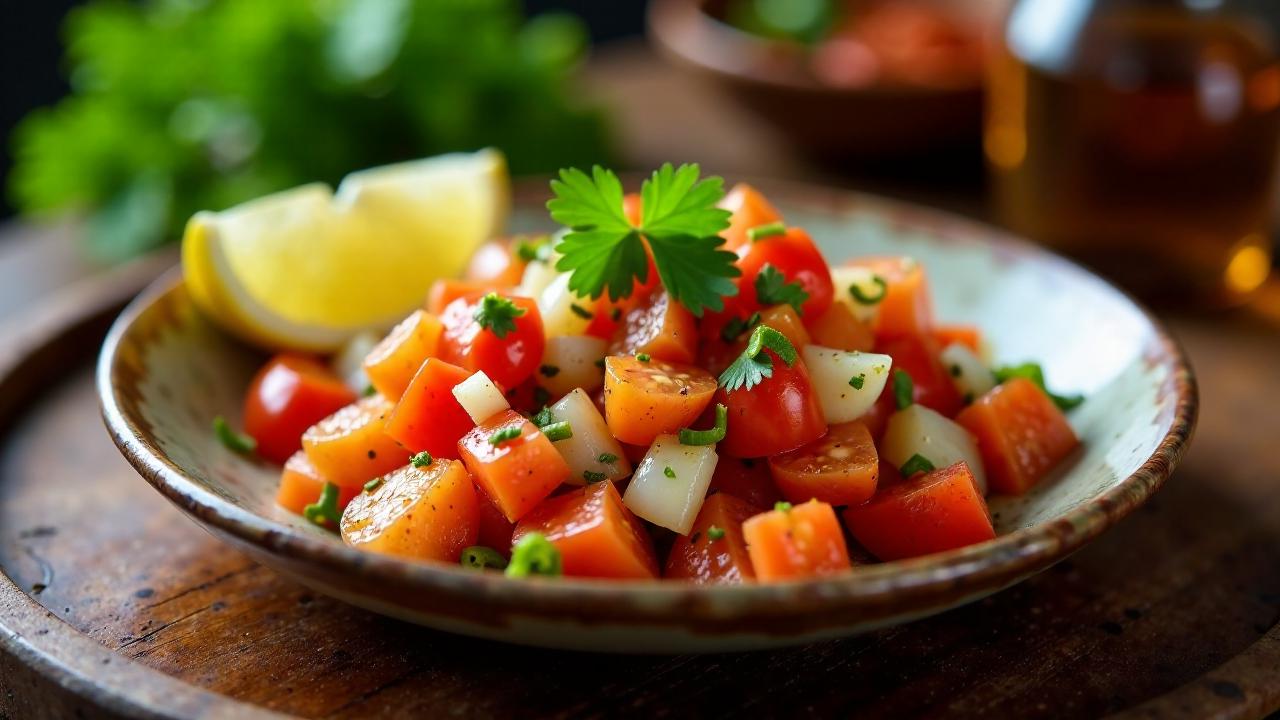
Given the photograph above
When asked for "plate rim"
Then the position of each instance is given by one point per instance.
(904, 585)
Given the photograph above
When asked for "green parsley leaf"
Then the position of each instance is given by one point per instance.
(715, 532)
(422, 459)
(680, 221)
(857, 381)
(505, 434)
(232, 440)
(772, 288)
(479, 557)
(762, 232)
(712, 436)
(669, 472)
(498, 314)
(753, 366)
(782, 506)
(558, 431)
(904, 389)
(916, 464)
(607, 458)
(592, 477)
(643, 357)
(1033, 372)
(324, 511)
(535, 555)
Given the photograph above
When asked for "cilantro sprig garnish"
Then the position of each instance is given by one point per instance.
(772, 288)
(753, 366)
(679, 221)
(1035, 373)
(498, 314)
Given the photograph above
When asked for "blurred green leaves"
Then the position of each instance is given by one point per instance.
(182, 105)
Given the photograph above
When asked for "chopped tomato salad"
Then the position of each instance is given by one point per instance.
(676, 385)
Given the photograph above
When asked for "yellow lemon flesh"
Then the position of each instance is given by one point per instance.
(308, 268)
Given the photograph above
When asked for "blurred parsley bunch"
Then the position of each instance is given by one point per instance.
(182, 105)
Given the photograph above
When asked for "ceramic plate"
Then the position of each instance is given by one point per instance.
(165, 373)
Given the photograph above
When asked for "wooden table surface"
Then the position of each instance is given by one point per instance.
(1172, 614)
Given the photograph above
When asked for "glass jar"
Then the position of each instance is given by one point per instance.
(1140, 136)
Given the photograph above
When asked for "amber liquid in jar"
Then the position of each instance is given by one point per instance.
(1141, 140)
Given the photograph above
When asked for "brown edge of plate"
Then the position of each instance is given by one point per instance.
(876, 592)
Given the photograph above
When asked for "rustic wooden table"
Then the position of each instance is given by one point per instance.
(113, 604)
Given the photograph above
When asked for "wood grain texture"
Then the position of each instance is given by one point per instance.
(1178, 599)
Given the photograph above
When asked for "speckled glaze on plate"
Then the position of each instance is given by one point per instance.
(165, 372)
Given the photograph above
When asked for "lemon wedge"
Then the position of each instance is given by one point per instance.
(309, 268)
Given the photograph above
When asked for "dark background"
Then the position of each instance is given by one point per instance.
(31, 73)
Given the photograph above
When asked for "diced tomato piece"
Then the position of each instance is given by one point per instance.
(786, 320)
(780, 414)
(507, 360)
(701, 558)
(1021, 434)
(428, 416)
(428, 513)
(444, 291)
(664, 329)
(907, 308)
(643, 400)
(301, 484)
(288, 395)
(840, 468)
(393, 362)
(746, 478)
(517, 473)
(750, 209)
(918, 357)
(351, 446)
(838, 328)
(968, 335)
(596, 534)
(496, 262)
(495, 529)
(797, 258)
(800, 542)
(928, 513)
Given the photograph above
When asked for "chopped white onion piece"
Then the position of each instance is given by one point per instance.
(537, 276)
(592, 453)
(569, 361)
(557, 303)
(968, 373)
(671, 482)
(917, 430)
(480, 397)
(847, 383)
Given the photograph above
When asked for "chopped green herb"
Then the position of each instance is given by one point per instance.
(1033, 372)
(857, 381)
(540, 396)
(558, 431)
(711, 436)
(232, 440)
(736, 326)
(760, 232)
(668, 472)
(680, 222)
(607, 458)
(580, 311)
(422, 459)
(904, 389)
(530, 250)
(479, 557)
(772, 288)
(498, 314)
(324, 511)
(591, 476)
(615, 314)
(753, 366)
(782, 506)
(505, 434)
(373, 484)
(882, 289)
(715, 532)
(549, 370)
(643, 357)
(535, 555)
(543, 417)
(916, 464)
(369, 391)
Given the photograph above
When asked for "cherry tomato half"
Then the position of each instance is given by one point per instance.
(507, 360)
(288, 395)
(795, 256)
(780, 414)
